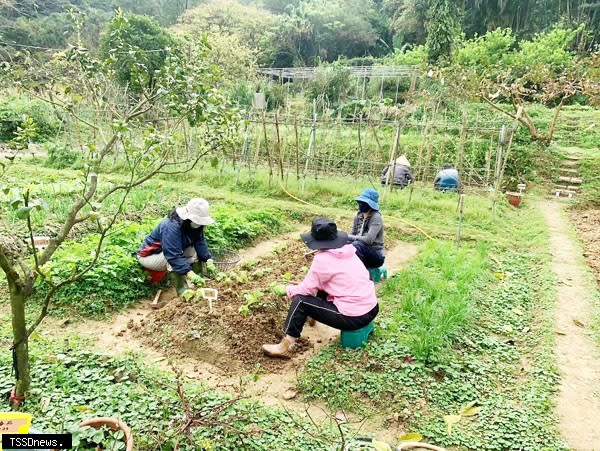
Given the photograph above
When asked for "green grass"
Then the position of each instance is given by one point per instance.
(590, 188)
(434, 302)
(332, 196)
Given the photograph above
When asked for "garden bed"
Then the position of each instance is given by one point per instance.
(250, 311)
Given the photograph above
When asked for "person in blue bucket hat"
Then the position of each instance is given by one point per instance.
(367, 230)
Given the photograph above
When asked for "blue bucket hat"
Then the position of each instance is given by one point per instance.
(371, 197)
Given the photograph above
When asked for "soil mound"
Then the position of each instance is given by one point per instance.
(248, 313)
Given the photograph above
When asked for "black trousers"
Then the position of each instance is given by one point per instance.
(323, 311)
(372, 258)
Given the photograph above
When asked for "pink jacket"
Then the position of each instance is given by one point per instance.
(341, 274)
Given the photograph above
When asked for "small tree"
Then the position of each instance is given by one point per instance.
(109, 125)
(136, 47)
(443, 29)
(508, 97)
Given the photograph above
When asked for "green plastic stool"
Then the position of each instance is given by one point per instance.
(355, 339)
(378, 274)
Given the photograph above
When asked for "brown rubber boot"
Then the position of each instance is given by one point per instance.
(283, 349)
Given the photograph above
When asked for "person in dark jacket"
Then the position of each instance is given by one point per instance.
(447, 179)
(399, 173)
(178, 244)
(367, 230)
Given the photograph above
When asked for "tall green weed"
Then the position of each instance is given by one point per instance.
(431, 299)
(590, 188)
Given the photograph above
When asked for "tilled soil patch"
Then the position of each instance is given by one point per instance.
(587, 223)
(247, 314)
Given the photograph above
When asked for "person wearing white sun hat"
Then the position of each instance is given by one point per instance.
(399, 173)
(178, 244)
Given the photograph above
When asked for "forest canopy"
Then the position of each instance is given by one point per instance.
(306, 32)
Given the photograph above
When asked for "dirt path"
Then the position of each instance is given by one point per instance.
(577, 355)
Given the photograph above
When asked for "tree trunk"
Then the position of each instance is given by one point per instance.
(21, 350)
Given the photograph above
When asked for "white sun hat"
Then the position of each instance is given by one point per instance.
(196, 211)
(403, 161)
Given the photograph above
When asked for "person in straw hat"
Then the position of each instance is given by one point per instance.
(178, 244)
(336, 290)
(399, 173)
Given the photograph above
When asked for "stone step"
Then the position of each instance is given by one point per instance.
(570, 164)
(567, 187)
(569, 170)
(571, 180)
(563, 193)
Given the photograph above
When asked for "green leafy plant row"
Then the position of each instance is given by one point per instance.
(118, 280)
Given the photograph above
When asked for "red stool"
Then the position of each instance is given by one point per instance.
(156, 277)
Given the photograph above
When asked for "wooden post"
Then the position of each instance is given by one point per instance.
(424, 131)
(392, 164)
(311, 143)
(413, 83)
(461, 204)
(488, 162)
(257, 153)
(461, 146)
(242, 154)
(279, 145)
(267, 149)
(499, 152)
(297, 148)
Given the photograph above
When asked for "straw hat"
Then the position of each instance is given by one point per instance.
(402, 160)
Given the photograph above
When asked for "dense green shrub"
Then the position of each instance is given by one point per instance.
(547, 53)
(136, 48)
(60, 156)
(415, 56)
(242, 94)
(331, 84)
(485, 52)
(116, 280)
(15, 111)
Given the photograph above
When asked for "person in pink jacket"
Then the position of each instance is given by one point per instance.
(336, 291)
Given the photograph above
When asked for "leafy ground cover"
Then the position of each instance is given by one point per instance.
(72, 384)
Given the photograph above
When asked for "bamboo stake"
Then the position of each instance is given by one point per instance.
(392, 166)
(488, 161)
(297, 148)
(461, 205)
(242, 154)
(461, 147)
(313, 132)
(279, 146)
(268, 152)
